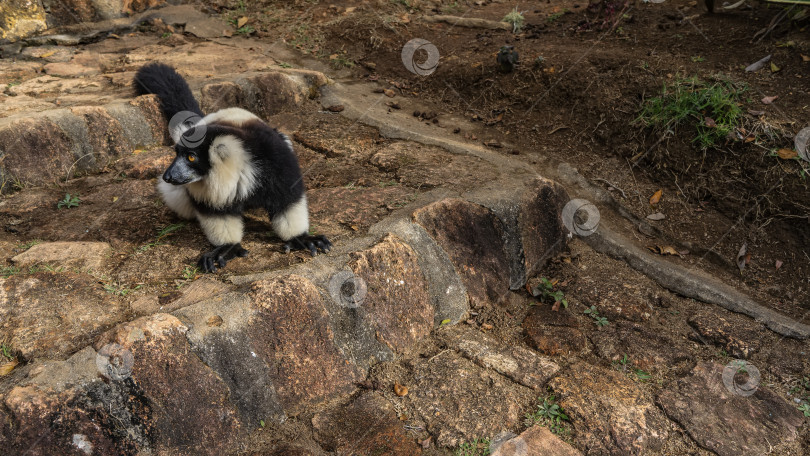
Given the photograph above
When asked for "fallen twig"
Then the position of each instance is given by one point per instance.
(612, 185)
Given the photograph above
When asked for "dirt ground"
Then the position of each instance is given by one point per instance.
(575, 97)
(580, 105)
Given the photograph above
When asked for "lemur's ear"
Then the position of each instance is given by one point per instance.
(221, 150)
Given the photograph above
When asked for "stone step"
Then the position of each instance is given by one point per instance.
(287, 342)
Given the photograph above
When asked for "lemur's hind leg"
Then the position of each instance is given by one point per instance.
(292, 226)
(225, 232)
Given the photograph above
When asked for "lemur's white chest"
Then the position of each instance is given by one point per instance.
(232, 175)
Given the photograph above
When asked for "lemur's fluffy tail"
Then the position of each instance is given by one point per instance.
(172, 90)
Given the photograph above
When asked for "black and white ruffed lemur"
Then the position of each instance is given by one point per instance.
(227, 162)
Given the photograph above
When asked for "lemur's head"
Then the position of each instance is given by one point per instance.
(191, 162)
(203, 149)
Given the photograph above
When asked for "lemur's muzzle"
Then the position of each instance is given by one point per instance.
(179, 173)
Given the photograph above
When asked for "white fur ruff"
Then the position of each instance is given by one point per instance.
(232, 175)
(176, 198)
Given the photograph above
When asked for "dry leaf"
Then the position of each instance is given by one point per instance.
(710, 122)
(787, 154)
(769, 100)
(664, 250)
(425, 443)
(47, 54)
(656, 197)
(241, 22)
(741, 262)
(805, 58)
(400, 390)
(389, 93)
(774, 68)
(657, 216)
(778, 264)
(8, 366)
(669, 250)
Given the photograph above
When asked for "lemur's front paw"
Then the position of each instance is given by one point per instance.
(307, 242)
(220, 256)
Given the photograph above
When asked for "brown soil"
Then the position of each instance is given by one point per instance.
(580, 107)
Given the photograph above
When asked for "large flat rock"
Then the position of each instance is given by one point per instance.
(395, 301)
(727, 423)
(74, 255)
(460, 401)
(537, 440)
(367, 425)
(522, 365)
(473, 238)
(55, 314)
(611, 414)
(189, 404)
(290, 331)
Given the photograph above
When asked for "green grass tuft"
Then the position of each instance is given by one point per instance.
(688, 103)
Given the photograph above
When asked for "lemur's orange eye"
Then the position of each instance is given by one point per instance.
(191, 158)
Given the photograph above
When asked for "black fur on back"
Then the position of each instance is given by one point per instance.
(172, 90)
(279, 179)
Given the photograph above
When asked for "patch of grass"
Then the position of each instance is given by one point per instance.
(69, 201)
(114, 288)
(597, 319)
(515, 18)
(805, 409)
(166, 35)
(162, 234)
(285, 65)
(640, 375)
(44, 268)
(549, 414)
(697, 59)
(342, 62)
(245, 30)
(556, 16)
(6, 350)
(545, 291)
(451, 8)
(477, 447)
(712, 108)
(306, 40)
(8, 271)
(190, 272)
(29, 244)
